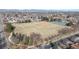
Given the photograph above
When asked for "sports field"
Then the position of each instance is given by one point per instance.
(44, 28)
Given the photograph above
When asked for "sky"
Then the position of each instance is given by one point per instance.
(39, 4)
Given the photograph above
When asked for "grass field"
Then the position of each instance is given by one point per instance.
(44, 28)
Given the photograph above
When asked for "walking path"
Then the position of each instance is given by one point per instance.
(9, 38)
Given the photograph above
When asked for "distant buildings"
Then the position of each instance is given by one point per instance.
(22, 16)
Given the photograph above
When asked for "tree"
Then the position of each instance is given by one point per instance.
(27, 21)
(15, 38)
(26, 40)
(30, 42)
(54, 45)
(13, 34)
(44, 18)
(69, 24)
(35, 37)
(9, 27)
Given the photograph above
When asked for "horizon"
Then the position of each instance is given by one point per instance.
(33, 10)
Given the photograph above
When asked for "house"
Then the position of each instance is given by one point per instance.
(67, 42)
(76, 39)
(75, 46)
(12, 21)
(61, 45)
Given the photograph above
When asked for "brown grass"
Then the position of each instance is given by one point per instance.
(43, 28)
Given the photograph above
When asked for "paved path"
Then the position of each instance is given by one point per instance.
(9, 38)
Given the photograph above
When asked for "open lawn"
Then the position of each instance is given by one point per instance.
(44, 28)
